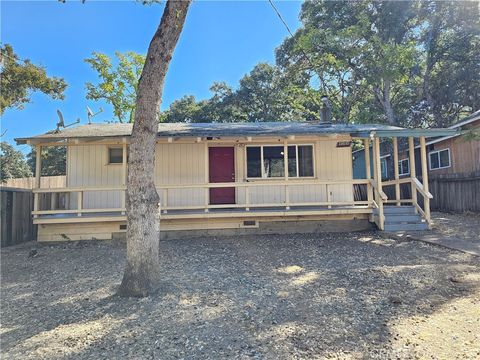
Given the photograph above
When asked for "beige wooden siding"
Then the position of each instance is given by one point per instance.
(187, 163)
(87, 166)
(181, 164)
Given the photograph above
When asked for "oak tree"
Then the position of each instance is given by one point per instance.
(142, 271)
(19, 78)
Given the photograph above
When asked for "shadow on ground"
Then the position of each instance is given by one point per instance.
(273, 297)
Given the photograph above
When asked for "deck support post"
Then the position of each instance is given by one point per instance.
(124, 175)
(38, 175)
(413, 173)
(426, 199)
(368, 171)
(378, 181)
(395, 169)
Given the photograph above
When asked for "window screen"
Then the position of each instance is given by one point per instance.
(115, 155)
(305, 160)
(254, 161)
(273, 161)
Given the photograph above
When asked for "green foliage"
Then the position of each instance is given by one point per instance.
(265, 94)
(405, 62)
(409, 63)
(118, 82)
(12, 163)
(19, 78)
(54, 160)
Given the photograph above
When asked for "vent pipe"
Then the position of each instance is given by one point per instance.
(326, 111)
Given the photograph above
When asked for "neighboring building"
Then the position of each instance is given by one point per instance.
(454, 154)
(234, 177)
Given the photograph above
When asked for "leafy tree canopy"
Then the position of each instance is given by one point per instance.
(19, 78)
(12, 163)
(118, 83)
(388, 60)
(54, 159)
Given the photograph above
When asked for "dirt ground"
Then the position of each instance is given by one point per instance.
(457, 226)
(344, 296)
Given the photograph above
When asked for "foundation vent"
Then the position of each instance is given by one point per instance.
(250, 223)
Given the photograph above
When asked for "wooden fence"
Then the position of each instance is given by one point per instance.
(456, 193)
(16, 224)
(45, 182)
(451, 192)
(16, 203)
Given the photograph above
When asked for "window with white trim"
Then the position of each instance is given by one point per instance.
(404, 167)
(383, 167)
(115, 155)
(300, 161)
(439, 159)
(268, 161)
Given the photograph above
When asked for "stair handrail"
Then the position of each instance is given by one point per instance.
(420, 188)
(383, 196)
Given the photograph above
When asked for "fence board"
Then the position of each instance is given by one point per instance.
(46, 182)
(16, 225)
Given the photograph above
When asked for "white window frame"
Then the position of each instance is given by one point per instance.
(384, 157)
(400, 167)
(438, 155)
(285, 164)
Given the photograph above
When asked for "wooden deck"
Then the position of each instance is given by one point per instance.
(234, 212)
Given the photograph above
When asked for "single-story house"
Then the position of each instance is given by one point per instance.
(229, 177)
(456, 154)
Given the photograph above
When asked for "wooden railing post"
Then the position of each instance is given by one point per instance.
(79, 203)
(38, 175)
(395, 169)
(165, 200)
(426, 199)
(413, 173)
(368, 171)
(378, 181)
(207, 198)
(329, 196)
(123, 194)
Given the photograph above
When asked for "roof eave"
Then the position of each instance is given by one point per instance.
(428, 133)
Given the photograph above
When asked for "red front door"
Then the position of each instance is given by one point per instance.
(221, 170)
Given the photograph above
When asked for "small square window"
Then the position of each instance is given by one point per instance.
(115, 155)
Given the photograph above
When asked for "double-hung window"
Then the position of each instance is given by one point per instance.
(268, 161)
(439, 159)
(404, 167)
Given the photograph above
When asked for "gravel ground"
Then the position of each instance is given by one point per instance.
(345, 296)
(464, 226)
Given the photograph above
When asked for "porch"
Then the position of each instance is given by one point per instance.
(66, 205)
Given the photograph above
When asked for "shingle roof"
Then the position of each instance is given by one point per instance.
(259, 129)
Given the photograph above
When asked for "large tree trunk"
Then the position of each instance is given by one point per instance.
(142, 273)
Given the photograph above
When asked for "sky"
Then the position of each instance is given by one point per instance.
(221, 41)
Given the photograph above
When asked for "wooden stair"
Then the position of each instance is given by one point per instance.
(402, 218)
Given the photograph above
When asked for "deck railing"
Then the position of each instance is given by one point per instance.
(415, 186)
(247, 204)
